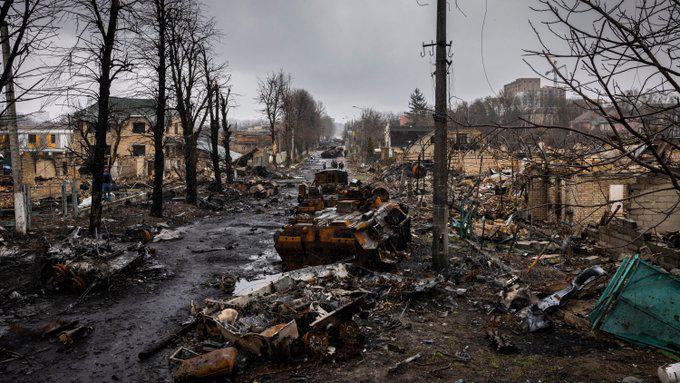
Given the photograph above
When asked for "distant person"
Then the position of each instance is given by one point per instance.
(341, 165)
(324, 165)
(107, 184)
(334, 164)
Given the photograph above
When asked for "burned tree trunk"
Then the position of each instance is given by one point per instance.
(20, 216)
(211, 86)
(226, 132)
(159, 127)
(109, 38)
(188, 36)
(190, 160)
(214, 136)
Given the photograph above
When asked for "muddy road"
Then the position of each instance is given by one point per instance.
(148, 304)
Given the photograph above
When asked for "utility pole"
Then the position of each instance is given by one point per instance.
(440, 237)
(20, 218)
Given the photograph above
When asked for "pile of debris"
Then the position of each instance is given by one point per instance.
(81, 262)
(257, 188)
(313, 313)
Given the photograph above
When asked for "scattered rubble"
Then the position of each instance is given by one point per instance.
(79, 261)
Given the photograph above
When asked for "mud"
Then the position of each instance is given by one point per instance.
(143, 307)
(149, 304)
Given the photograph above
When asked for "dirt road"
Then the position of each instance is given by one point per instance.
(147, 305)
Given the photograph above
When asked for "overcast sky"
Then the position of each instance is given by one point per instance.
(367, 52)
(362, 52)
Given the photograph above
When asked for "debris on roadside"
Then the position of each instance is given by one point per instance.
(399, 367)
(669, 373)
(79, 267)
(640, 305)
(535, 317)
(314, 312)
(167, 235)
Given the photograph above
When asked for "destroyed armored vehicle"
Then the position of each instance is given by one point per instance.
(333, 152)
(356, 196)
(330, 180)
(310, 199)
(369, 238)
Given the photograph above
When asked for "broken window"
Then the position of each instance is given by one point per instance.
(138, 127)
(616, 197)
(138, 150)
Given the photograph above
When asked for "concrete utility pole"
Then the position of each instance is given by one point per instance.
(20, 218)
(440, 238)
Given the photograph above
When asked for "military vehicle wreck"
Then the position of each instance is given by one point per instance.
(369, 238)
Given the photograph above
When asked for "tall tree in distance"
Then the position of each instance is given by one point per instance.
(99, 57)
(160, 28)
(271, 93)
(418, 109)
(188, 33)
(212, 75)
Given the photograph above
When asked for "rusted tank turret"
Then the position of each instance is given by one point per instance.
(331, 236)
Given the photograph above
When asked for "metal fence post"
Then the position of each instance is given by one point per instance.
(74, 198)
(64, 200)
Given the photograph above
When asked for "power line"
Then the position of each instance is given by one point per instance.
(481, 50)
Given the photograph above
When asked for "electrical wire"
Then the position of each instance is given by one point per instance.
(481, 50)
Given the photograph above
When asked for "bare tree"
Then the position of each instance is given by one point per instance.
(302, 122)
(271, 94)
(98, 59)
(188, 33)
(623, 62)
(26, 31)
(224, 106)
(367, 132)
(157, 39)
(212, 75)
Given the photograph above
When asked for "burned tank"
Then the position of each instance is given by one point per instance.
(369, 238)
(347, 197)
(333, 152)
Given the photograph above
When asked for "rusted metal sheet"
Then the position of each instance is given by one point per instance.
(213, 364)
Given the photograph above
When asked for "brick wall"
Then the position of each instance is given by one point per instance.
(537, 198)
(657, 209)
(587, 197)
(469, 162)
(579, 199)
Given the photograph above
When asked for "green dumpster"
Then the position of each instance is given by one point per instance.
(640, 305)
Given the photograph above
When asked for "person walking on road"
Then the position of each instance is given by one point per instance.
(107, 184)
